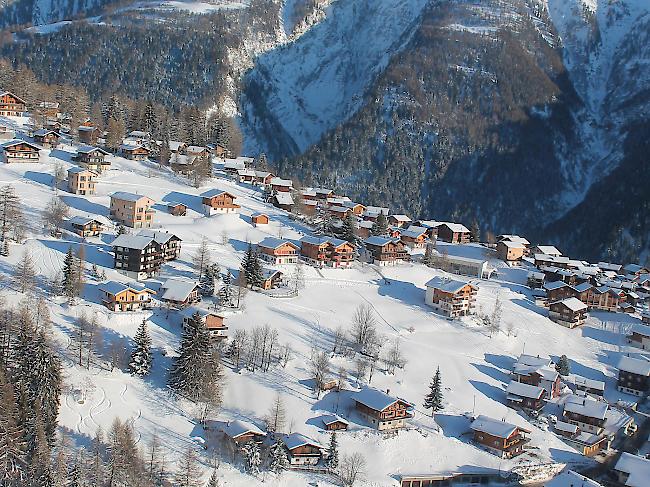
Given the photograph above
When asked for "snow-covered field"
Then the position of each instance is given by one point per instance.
(474, 366)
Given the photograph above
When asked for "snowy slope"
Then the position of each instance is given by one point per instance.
(474, 367)
(316, 82)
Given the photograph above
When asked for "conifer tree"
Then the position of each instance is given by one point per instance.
(214, 480)
(40, 468)
(121, 230)
(348, 229)
(279, 459)
(380, 227)
(141, 356)
(252, 267)
(12, 447)
(25, 273)
(252, 457)
(5, 248)
(333, 459)
(69, 278)
(188, 473)
(226, 292)
(563, 367)
(433, 400)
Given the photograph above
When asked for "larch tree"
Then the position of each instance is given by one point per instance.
(12, 448)
(25, 273)
(433, 400)
(55, 214)
(141, 356)
(188, 473)
(277, 415)
(201, 258)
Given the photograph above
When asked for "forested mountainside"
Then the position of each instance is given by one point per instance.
(37, 12)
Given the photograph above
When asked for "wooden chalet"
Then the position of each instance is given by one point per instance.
(137, 256)
(246, 176)
(558, 290)
(498, 437)
(122, 297)
(635, 270)
(371, 213)
(454, 233)
(92, 158)
(259, 219)
(217, 202)
(278, 251)
(414, 237)
(263, 178)
(283, 200)
(510, 251)
(399, 220)
(220, 151)
(634, 376)
(281, 185)
(586, 386)
(302, 450)
(47, 138)
(569, 312)
(239, 433)
(589, 415)
(334, 423)
(381, 410)
(85, 227)
(88, 134)
(20, 151)
(134, 152)
(524, 396)
(357, 209)
(587, 444)
(535, 280)
(49, 109)
(179, 293)
(385, 251)
(213, 322)
(197, 151)
(170, 244)
(538, 371)
(11, 105)
(327, 251)
(639, 336)
(451, 298)
(471, 476)
(176, 209)
(271, 278)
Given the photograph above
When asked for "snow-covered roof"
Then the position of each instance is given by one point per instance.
(114, 287)
(608, 266)
(640, 329)
(401, 218)
(634, 365)
(552, 258)
(447, 285)
(176, 289)
(234, 164)
(375, 399)
(533, 360)
(196, 149)
(160, 237)
(281, 182)
(82, 220)
(79, 170)
(365, 224)
(494, 427)
(192, 310)
(175, 145)
(284, 199)
(314, 240)
(295, 440)
(139, 133)
(258, 214)
(456, 227)
(211, 193)
(125, 196)
(14, 142)
(524, 390)
(132, 241)
(566, 427)
(246, 172)
(87, 149)
(582, 287)
(263, 174)
(536, 275)
(128, 145)
(551, 286)
(414, 231)
(633, 268)
(638, 469)
(351, 204)
(574, 304)
(339, 209)
(569, 478)
(376, 210)
(512, 245)
(269, 273)
(548, 250)
(237, 428)
(332, 418)
(84, 128)
(274, 243)
(586, 407)
(379, 240)
(513, 238)
(578, 380)
(2, 93)
(44, 132)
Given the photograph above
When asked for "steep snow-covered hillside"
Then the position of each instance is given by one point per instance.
(311, 85)
(475, 367)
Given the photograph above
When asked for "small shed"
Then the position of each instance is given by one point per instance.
(259, 219)
(176, 209)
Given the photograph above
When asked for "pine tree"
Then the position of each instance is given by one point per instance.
(279, 459)
(25, 273)
(333, 459)
(226, 292)
(252, 457)
(5, 248)
(563, 367)
(69, 280)
(12, 447)
(252, 267)
(40, 468)
(74, 475)
(214, 480)
(348, 230)
(141, 356)
(380, 227)
(433, 400)
(121, 230)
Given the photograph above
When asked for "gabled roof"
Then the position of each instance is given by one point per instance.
(44, 132)
(235, 429)
(551, 286)
(269, 273)
(114, 287)
(332, 418)
(131, 146)
(211, 193)
(583, 287)
(281, 182)
(85, 128)
(573, 304)
(177, 289)
(569, 478)
(283, 199)
(513, 238)
(274, 243)
(578, 380)
(548, 250)
(494, 427)
(456, 227)
(14, 142)
(3, 93)
(638, 469)
(512, 245)
(195, 148)
(524, 390)
(295, 440)
(79, 170)
(375, 399)
(160, 237)
(82, 220)
(87, 149)
(414, 231)
(137, 242)
(640, 329)
(401, 218)
(566, 427)
(314, 240)
(126, 196)
(448, 285)
(634, 365)
(586, 407)
(175, 145)
(380, 241)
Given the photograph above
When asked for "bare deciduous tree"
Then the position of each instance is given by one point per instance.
(394, 357)
(277, 415)
(352, 469)
(55, 214)
(320, 368)
(364, 329)
(201, 258)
